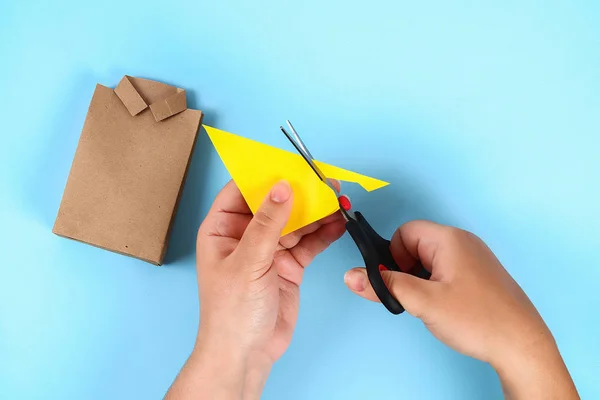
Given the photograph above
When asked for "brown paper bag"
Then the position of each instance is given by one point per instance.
(129, 168)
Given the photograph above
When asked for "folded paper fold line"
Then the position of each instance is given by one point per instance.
(164, 100)
(255, 167)
(130, 97)
(170, 106)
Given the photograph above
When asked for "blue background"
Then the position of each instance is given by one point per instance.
(484, 115)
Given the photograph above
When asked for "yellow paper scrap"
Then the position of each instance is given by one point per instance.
(333, 172)
(256, 167)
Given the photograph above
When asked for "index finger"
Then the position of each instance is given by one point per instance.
(229, 214)
(417, 241)
(230, 200)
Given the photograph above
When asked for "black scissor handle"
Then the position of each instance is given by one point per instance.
(376, 253)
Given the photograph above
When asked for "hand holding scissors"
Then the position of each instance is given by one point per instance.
(375, 249)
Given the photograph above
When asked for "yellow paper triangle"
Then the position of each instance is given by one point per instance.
(256, 167)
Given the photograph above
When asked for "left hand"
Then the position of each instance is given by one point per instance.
(249, 276)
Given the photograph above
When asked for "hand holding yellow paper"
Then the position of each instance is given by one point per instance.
(255, 167)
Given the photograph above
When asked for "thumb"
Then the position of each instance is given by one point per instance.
(261, 237)
(415, 294)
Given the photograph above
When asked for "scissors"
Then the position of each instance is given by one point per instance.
(374, 249)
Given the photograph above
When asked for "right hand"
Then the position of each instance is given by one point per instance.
(470, 303)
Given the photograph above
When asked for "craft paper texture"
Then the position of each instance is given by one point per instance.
(256, 167)
(129, 168)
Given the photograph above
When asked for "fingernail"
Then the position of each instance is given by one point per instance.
(281, 192)
(356, 280)
(345, 202)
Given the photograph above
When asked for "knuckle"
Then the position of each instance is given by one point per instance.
(290, 240)
(258, 263)
(252, 260)
(251, 239)
(461, 235)
(263, 219)
(303, 255)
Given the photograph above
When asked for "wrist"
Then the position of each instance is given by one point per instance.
(221, 366)
(213, 370)
(535, 370)
(231, 366)
(258, 367)
(522, 351)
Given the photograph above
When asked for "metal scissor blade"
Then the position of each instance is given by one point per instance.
(298, 139)
(303, 150)
(305, 153)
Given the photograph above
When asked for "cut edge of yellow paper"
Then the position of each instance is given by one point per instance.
(367, 183)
